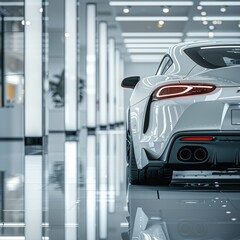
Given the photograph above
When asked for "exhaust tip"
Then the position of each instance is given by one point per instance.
(185, 154)
(192, 154)
(200, 154)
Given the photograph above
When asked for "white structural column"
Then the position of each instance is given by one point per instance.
(33, 197)
(112, 169)
(91, 65)
(91, 188)
(71, 119)
(33, 117)
(103, 185)
(33, 69)
(70, 190)
(117, 86)
(111, 81)
(121, 91)
(71, 65)
(103, 74)
(118, 167)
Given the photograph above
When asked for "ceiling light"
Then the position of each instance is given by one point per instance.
(219, 3)
(223, 9)
(221, 18)
(211, 27)
(207, 39)
(161, 22)
(150, 18)
(150, 3)
(205, 22)
(146, 56)
(239, 25)
(146, 60)
(199, 8)
(217, 34)
(165, 10)
(152, 40)
(11, 4)
(126, 10)
(14, 237)
(216, 22)
(67, 35)
(203, 13)
(152, 34)
(211, 34)
(146, 45)
(147, 50)
(159, 25)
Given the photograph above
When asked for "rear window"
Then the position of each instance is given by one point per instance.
(215, 56)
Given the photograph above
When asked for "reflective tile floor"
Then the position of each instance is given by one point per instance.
(78, 191)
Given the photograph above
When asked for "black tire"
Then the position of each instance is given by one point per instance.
(136, 176)
(146, 176)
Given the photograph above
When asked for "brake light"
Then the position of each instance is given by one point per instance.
(181, 90)
(205, 139)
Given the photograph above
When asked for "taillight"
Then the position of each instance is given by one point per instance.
(181, 90)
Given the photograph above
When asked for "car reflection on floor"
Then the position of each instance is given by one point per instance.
(198, 209)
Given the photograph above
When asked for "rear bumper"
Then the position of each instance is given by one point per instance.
(220, 153)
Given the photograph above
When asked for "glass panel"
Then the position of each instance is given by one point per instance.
(162, 65)
(11, 55)
(56, 53)
(215, 56)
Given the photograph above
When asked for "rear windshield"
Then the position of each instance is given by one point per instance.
(215, 56)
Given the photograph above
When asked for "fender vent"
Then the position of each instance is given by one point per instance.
(147, 116)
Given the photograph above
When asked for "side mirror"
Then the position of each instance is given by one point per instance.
(130, 82)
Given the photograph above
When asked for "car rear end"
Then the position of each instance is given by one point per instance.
(207, 135)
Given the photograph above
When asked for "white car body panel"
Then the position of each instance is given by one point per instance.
(206, 112)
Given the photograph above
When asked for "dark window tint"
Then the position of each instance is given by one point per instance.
(165, 64)
(215, 56)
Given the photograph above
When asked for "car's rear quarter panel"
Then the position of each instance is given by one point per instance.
(212, 112)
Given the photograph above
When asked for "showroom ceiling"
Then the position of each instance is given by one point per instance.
(145, 29)
(148, 28)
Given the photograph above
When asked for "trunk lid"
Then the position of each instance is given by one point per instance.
(221, 77)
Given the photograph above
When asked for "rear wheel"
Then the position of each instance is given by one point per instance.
(149, 175)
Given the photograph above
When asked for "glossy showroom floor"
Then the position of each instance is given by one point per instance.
(194, 206)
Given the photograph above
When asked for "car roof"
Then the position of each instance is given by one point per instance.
(183, 64)
(186, 45)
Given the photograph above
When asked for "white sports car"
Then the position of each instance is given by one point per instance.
(187, 116)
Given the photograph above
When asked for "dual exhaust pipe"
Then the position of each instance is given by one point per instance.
(192, 154)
